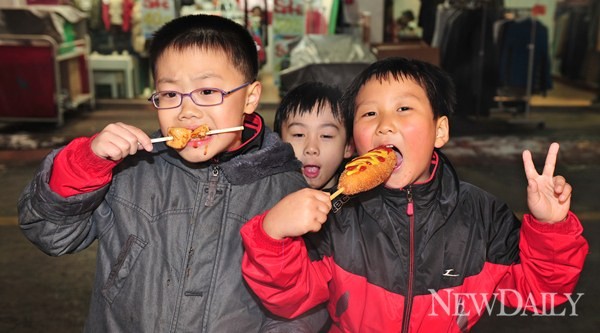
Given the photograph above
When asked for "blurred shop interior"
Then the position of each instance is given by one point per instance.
(58, 56)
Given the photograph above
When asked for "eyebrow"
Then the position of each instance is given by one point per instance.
(296, 123)
(196, 78)
(408, 95)
(398, 98)
(330, 125)
(165, 81)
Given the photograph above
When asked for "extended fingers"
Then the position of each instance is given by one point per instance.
(530, 171)
(550, 163)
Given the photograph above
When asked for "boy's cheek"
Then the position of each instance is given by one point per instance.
(361, 140)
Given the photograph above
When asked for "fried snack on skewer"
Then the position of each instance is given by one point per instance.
(366, 171)
(200, 132)
(181, 136)
(178, 137)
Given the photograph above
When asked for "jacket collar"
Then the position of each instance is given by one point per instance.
(439, 193)
(252, 138)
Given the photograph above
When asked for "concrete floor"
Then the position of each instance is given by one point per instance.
(40, 293)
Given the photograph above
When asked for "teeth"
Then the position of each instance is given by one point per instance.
(393, 148)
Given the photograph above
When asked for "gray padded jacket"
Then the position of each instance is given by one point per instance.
(169, 246)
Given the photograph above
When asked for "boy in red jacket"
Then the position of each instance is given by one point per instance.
(423, 252)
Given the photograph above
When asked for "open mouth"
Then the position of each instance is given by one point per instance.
(311, 171)
(399, 156)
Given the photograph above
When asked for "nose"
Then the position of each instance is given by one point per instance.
(311, 148)
(189, 109)
(386, 126)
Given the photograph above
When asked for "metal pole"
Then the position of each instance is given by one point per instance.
(246, 14)
(481, 60)
(530, 65)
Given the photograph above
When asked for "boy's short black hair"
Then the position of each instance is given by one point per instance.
(438, 85)
(208, 32)
(303, 98)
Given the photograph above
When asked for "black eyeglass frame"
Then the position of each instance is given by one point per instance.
(224, 93)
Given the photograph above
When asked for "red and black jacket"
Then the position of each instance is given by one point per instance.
(421, 259)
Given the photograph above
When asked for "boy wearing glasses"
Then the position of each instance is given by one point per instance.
(166, 220)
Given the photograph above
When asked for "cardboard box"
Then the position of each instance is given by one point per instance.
(71, 77)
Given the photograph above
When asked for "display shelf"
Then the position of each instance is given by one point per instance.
(71, 55)
(39, 84)
(44, 51)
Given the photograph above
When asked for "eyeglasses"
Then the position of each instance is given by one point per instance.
(201, 97)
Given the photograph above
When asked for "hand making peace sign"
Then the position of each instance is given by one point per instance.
(548, 196)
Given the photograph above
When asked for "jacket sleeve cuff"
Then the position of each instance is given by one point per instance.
(559, 241)
(76, 169)
(263, 239)
(569, 226)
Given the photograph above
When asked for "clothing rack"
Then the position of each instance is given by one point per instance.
(466, 3)
(481, 54)
(519, 11)
(483, 5)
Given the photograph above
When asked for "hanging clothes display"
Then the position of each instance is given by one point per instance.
(117, 13)
(464, 35)
(514, 39)
(115, 26)
(426, 20)
(577, 42)
(591, 73)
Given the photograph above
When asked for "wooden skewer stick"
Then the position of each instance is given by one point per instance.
(225, 130)
(211, 132)
(164, 138)
(336, 193)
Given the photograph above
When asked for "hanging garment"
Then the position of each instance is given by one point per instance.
(467, 53)
(117, 13)
(514, 62)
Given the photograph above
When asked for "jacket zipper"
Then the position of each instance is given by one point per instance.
(212, 186)
(210, 198)
(411, 261)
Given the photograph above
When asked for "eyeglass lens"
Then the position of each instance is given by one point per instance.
(172, 99)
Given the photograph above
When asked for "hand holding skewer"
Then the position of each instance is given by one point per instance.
(118, 140)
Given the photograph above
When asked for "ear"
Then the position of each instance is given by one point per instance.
(349, 149)
(252, 97)
(442, 132)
